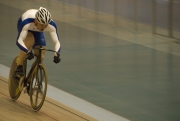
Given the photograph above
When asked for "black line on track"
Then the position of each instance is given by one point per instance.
(67, 110)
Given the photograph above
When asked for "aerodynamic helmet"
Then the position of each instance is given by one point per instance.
(43, 16)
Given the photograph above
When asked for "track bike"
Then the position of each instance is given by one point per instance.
(34, 83)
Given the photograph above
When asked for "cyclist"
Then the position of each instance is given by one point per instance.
(31, 26)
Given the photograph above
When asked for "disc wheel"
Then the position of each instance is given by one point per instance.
(13, 82)
(38, 87)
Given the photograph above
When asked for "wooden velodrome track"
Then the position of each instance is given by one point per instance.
(20, 110)
(66, 110)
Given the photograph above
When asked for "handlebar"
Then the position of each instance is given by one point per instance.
(31, 54)
(44, 49)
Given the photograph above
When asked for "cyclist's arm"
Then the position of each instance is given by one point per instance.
(20, 40)
(52, 28)
(55, 40)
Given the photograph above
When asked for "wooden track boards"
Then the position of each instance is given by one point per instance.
(21, 110)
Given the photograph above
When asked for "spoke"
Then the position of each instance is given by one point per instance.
(37, 75)
(37, 92)
(41, 82)
(42, 75)
(37, 87)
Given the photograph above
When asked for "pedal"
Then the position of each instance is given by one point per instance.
(27, 88)
(36, 87)
(25, 91)
(16, 77)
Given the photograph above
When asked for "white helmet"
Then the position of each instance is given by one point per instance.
(43, 16)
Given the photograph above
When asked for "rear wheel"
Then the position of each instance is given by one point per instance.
(38, 87)
(13, 82)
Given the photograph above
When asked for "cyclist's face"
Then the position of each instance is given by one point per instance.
(39, 26)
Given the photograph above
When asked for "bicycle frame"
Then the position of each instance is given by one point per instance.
(36, 62)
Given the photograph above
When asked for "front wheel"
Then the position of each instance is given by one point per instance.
(38, 87)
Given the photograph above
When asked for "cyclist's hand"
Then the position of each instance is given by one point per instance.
(57, 58)
(30, 55)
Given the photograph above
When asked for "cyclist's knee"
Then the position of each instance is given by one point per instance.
(21, 58)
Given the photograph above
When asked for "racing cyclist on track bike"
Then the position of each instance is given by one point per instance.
(31, 26)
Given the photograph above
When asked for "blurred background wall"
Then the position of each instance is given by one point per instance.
(143, 16)
(156, 16)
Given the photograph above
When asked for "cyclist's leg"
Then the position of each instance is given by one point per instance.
(39, 41)
(29, 42)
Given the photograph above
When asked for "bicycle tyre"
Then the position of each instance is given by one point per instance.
(14, 91)
(38, 83)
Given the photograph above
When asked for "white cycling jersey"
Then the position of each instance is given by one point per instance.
(26, 24)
